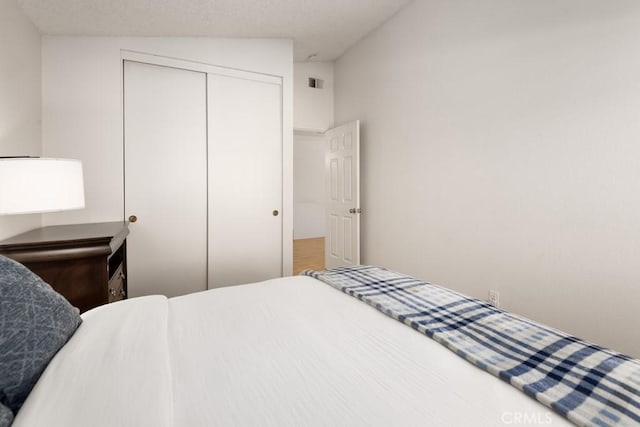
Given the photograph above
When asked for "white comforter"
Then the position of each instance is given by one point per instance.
(290, 351)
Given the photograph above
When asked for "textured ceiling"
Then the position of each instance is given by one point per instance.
(323, 27)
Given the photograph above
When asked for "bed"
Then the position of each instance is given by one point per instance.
(292, 351)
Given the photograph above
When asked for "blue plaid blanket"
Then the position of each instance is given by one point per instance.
(587, 384)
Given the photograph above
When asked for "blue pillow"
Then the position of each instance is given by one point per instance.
(35, 322)
(6, 416)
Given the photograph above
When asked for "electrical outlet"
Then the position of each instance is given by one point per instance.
(494, 298)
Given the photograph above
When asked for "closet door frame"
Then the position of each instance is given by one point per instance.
(286, 218)
(128, 55)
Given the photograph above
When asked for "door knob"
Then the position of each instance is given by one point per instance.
(354, 210)
(133, 218)
(275, 212)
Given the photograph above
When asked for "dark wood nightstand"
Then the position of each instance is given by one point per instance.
(86, 263)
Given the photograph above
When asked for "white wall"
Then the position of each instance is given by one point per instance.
(82, 109)
(313, 113)
(19, 98)
(313, 107)
(501, 150)
(308, 186)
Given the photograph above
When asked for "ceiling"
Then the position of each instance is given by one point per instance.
(323, 27)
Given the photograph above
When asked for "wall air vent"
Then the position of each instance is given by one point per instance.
(315, 83)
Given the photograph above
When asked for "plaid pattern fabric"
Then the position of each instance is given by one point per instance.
(587, 384)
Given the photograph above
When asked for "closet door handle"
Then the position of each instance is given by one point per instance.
(275, 212)
(133, 218)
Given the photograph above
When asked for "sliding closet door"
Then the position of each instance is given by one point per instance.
(245, 180)
(165, 124)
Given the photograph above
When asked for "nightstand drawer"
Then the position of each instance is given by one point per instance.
(117, 289)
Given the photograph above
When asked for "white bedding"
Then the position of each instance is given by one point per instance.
(289, 351)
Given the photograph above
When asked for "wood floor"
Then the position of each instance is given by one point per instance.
(308, 254)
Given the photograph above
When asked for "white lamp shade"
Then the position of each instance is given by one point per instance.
(30, 185)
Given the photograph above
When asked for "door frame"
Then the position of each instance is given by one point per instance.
(165, 61)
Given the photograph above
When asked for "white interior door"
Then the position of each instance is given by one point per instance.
(342, 172)
(165, 134)
(245, 180)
